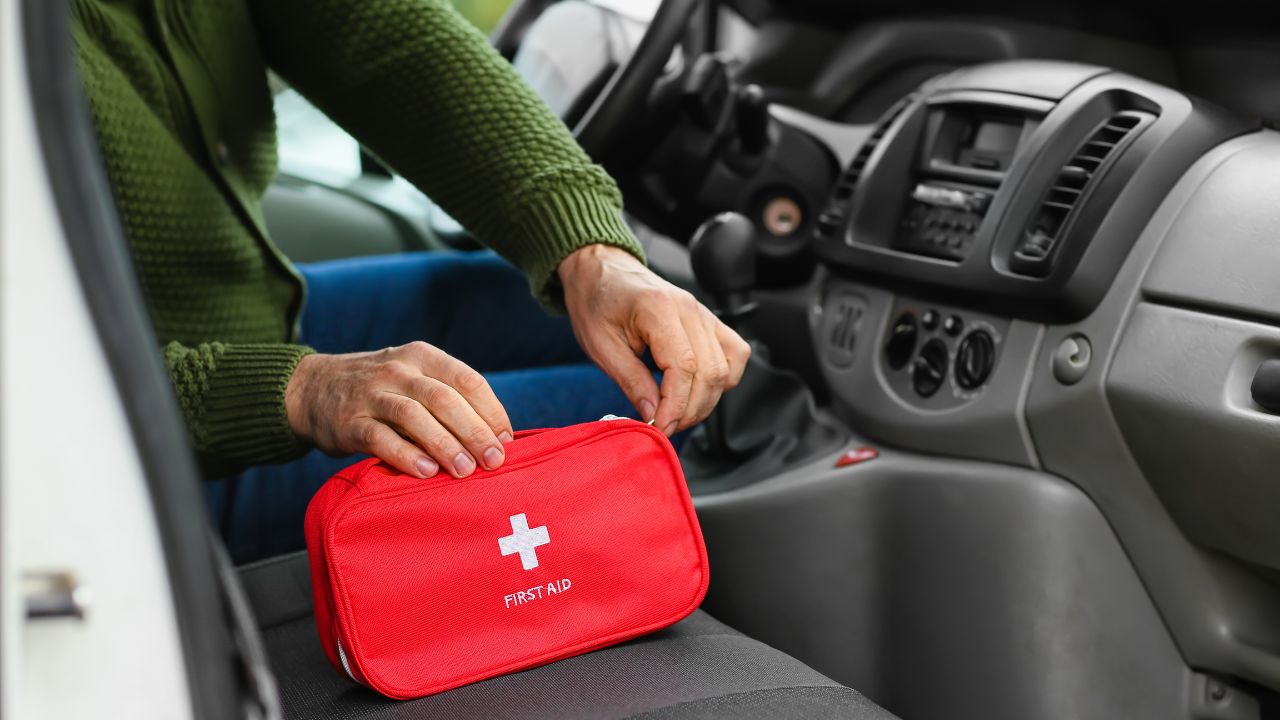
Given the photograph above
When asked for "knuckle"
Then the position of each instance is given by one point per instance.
(680, 405)
(417, 348)
(438, 396)
(718, 373)
(479, 435)
(442, 445)
(368, 435)
(648, 319)
(393, 370)
(405, 456)
(401, 408)
(654, 296)
(634, 386)
(686, 362)
(470, 382)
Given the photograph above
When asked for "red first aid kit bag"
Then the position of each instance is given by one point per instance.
(585, 537)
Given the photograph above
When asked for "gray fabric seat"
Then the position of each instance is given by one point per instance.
(698, 668)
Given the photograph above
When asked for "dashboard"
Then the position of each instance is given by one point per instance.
(998, 180)
(1000, 197)
(1068, 269)
(1071, 270)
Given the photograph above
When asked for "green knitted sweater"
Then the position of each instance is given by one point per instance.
(178, 91)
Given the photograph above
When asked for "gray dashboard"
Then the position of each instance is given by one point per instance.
(1157, 426)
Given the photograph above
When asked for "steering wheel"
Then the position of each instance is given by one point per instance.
(622, 98)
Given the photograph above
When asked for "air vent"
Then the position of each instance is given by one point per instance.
(1035, 254)
(836, 212)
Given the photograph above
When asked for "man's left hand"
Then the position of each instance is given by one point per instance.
(619, 308)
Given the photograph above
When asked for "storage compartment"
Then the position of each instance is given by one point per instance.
(1180, 391)
(1180, 383)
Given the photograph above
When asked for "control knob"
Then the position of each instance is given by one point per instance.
(929, 371)
(975, 358)
(902, 341)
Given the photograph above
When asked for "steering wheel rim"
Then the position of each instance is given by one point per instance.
(624, 95)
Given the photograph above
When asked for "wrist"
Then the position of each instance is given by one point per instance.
(296, 394)
(586, 262)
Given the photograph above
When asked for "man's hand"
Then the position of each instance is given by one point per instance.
(619, 307)
(413, 406)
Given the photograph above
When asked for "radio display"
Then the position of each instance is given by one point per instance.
(995, 136)
(974, 143)
(988, 144)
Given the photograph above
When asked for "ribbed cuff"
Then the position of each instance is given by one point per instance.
(560, 224)
(244, 419)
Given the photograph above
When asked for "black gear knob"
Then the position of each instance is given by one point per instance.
(723, 252)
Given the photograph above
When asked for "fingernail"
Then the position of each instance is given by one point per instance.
(492, 458)
(463, 465)
(670, 429)
(505, 437)
(427, 467)
(646, 411)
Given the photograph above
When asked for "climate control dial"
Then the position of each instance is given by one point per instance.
(902, 341)
(929, 371)
(975, 359)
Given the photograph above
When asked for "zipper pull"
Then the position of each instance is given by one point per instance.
(611, 417)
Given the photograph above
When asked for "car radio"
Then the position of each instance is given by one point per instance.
(940, 221)
(965, 151)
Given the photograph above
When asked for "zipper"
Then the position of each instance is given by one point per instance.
(342, 655)
(443, 479)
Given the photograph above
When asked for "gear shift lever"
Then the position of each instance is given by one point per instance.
(723, 252)
(769, 422)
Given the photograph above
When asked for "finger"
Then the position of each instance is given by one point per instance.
(704, 393)
(382, 442)
(616, 358)
(736, 352)
(418, 424)
(458, 417)
(669, 344)
(717, 375)
(473, 386)
(475, 389)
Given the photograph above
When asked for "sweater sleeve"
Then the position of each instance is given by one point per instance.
(232, 397)
(420, 87)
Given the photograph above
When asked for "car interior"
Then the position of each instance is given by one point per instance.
(1006, 447)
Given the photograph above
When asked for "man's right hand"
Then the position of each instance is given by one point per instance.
(412, 406)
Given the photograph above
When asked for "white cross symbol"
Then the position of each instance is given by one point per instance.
(524, 541)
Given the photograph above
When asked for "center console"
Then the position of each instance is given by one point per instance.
(965, 153)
